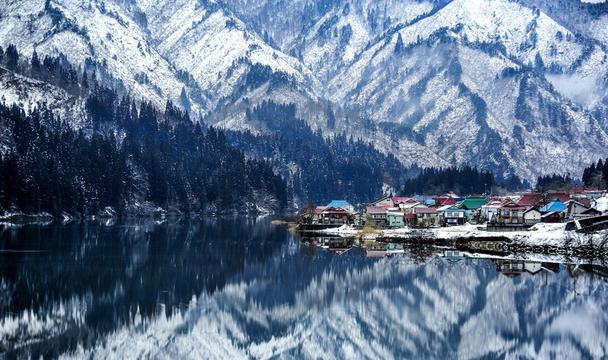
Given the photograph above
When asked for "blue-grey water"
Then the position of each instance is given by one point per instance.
(244, 288)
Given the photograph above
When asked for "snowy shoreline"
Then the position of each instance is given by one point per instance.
(538, 235)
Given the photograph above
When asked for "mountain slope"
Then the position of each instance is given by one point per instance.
(498, 84)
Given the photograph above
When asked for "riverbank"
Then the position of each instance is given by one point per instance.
(552, 235)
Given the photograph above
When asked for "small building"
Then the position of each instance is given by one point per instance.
(400, 200)
(409, 207)
(376, 216)
(552, 217)
(385, 202)
(395, 218)
(591, 212)
(532, 216)
(329, 215)
(490, 210)
(410, 219)
(574, 208)
(453, 216)
(342, 204)
(426, 216)
(509, 213)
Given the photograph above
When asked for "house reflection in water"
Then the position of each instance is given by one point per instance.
(514, 268)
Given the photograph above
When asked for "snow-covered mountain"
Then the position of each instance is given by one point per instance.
(502, 84)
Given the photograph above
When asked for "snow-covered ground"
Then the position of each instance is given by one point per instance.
(538, 235)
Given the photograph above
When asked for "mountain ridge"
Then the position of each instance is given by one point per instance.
(435, 83)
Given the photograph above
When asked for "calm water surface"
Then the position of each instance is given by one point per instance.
(243, 288)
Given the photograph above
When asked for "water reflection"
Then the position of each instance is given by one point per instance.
(247, 289)
(65, 285)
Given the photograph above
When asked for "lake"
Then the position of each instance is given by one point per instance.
(244, 288)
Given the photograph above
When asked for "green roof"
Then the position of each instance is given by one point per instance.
(473, 203)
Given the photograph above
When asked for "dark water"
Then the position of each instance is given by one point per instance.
(243, 288)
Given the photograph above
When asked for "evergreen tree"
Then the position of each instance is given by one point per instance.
(399, 46)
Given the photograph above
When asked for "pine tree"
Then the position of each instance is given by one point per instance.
(36, 66)
(399, 47)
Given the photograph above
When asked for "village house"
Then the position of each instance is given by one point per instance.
(590, 212)
(532, 216)
(510, 213)
(529, 200)
(375, 216)
(343, 204)
(452, 216)
(385, 202)
(490, 210)
(399, 201)
(409, 207)
(574, 208)
(553, 212)
(410, 219)
(329, 215)
(552, 217)
(426, 217)
(395, 218)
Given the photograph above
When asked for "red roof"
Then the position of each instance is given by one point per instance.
(511, 205)
(410, 216)
(320, 209)
(584, 201)
(400, 199)
(376, 210)
(530, 199)
(563, 197)
(444, 200)
(425, 210)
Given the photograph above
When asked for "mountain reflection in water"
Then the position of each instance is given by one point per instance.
(242, 288)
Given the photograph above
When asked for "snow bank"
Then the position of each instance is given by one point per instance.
(538, 235)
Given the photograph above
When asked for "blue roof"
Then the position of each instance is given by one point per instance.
(339, 203)
(554, 206)
(426, 199)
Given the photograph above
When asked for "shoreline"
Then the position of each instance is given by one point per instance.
(539, 236)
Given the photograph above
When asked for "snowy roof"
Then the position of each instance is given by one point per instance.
(601, 204)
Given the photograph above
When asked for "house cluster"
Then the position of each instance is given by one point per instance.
(515, 211)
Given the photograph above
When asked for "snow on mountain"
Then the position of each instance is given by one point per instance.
(501, 84)
(213, 46)
(100, 31)
(465, 83)
(29, 93)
